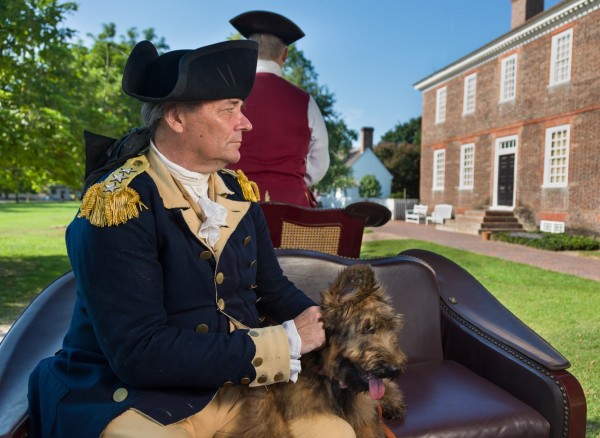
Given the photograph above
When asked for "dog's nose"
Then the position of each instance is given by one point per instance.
(391, 370)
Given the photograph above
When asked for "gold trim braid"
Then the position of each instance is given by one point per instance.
(111, 202)
(249, 188)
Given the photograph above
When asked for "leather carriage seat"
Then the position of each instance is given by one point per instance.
(444, 398)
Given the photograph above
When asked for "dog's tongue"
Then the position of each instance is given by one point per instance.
(376, 388)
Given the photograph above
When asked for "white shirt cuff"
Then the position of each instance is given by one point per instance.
(295, 345)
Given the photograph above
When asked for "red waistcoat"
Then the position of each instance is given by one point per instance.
(274, 151)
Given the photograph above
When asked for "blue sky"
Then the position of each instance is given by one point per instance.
(368, 54)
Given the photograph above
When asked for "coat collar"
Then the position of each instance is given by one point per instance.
(175, 198)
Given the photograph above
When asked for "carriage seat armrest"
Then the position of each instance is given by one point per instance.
(470, 300)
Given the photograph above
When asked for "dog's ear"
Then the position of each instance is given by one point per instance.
(352, 284)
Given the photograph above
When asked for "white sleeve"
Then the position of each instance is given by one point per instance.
(317, 160)
(295, 346)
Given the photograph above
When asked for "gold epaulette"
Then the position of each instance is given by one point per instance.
(249, 188)
(112, 202)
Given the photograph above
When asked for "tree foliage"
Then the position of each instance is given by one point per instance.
(408, 132)
(369, 187)
(52, 89)
(400, 152)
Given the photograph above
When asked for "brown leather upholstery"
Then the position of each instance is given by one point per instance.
(474, 369)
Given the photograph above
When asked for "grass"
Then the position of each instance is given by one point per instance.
(561, 308)
(32, 251)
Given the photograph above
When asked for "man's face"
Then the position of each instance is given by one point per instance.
(212, 132)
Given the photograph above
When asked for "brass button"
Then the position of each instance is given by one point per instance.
(253, 333)
(257, 362)
(120, 394)
(220, 277)
(247, 240)
(278, 377)
(227, 384)
(201, 328)
(245, 381)
(253, 286)
(252, 263)
(205, 255)
(221, 304)
(262, 379)
(453, 300)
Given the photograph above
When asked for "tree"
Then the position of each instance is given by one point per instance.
(51, 90)
(408, 132)
(301, 72)
(403, 161)
(369, 187)
(400, 152)
(34, 60)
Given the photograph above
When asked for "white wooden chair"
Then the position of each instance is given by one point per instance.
(415, 215)
(440, 213)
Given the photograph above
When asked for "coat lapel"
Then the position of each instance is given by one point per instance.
(177, 197)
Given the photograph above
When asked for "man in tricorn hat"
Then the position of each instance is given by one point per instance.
(288, 149)
(174, 268)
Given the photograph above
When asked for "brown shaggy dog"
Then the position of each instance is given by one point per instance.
(351, 374)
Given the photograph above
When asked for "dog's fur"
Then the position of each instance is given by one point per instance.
(345, 377)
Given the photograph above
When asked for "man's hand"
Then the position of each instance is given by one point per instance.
(310, 329)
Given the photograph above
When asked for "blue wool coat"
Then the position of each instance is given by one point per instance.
(150, 328)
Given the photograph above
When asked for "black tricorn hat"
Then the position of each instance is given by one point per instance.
(267, 22)
(219, 71)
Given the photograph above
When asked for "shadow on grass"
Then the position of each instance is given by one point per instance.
(22, 278)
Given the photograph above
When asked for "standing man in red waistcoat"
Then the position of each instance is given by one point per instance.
(287, 150)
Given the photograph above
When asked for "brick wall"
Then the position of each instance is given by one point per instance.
(536, 108)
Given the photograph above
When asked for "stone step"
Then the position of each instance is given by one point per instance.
(500, 219)
(506, 226)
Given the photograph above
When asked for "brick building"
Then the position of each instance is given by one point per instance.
(515, 125)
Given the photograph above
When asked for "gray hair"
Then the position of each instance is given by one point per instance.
(269, 46)
(152, 112)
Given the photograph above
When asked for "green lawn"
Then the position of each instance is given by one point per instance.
(561, 308)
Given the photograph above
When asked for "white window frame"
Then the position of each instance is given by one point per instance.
(439, 169)
(556, 157)
(467, 166)
(561, 57)
(470, 94)
(508, 79)
(440, 105)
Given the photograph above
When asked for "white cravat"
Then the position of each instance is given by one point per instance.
(197, 185)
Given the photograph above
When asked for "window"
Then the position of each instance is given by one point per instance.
(556, 163)
(467, 166)
(439, 164)
(469, 98)
(440, 108)
(508, 79)
(560, 62)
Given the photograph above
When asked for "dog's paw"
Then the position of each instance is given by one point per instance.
(392, 412)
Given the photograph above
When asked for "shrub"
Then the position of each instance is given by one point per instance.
(550, 241)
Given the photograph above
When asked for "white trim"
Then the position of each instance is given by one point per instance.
(512, 80)
(441, 100)
(552, 227)
(548, 157)
(470, 94)
(563, 13)
(503, 146)
(566, 52)
(439, 174)
(463, 150)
